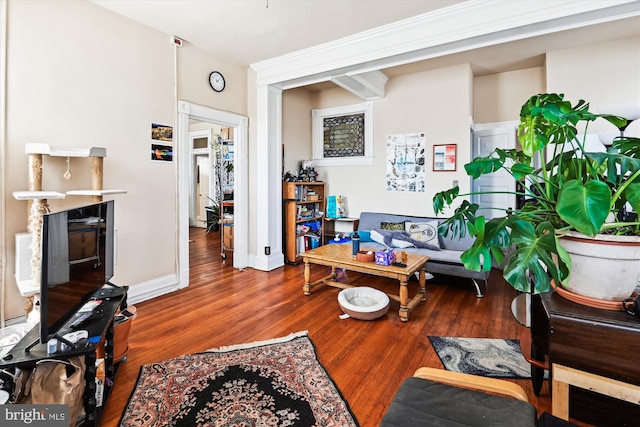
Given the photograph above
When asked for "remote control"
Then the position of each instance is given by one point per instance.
(74, 337)
(399, 264)
(80, 320)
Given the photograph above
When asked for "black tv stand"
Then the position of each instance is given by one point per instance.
(56, 336)
(29, 351)
(109, 293)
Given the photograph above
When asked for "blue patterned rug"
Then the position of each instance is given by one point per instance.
(487, 357)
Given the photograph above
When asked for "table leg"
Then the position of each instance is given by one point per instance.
(422, 280)
(404, 299)
(307, 278)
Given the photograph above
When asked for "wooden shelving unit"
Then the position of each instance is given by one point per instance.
(304, 210)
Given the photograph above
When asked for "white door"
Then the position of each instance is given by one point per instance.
(484, 142)
(203, 165)
(201, 176)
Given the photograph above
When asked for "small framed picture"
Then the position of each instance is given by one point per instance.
(444, 157)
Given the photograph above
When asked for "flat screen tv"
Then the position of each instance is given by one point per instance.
(77, 260)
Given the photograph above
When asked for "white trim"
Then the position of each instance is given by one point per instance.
(317, 125)
(4, 21)
(268, 207)
(186, 111)
(461, 27)
(153, 288)
(483, 126)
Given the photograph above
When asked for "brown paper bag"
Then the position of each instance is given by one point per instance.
(54, 382)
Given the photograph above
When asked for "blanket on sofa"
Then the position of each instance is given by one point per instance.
(398, 239)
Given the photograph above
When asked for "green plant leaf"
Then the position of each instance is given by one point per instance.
(458, 222)
(584, 206)
(532, 266)
(478, 256)
(628, 146)
(444, 198)
(482, 166)
(632, 194)
(627, 165)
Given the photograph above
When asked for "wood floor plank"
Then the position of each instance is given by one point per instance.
(367, 359)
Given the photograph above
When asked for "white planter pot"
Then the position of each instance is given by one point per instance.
(603, 267)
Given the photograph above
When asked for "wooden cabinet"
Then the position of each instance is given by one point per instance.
(351, 225)
(593, 341)
(304, 209)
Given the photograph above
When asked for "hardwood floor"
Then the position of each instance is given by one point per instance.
(367, 359)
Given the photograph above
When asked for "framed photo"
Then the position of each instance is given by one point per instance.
(444, 157)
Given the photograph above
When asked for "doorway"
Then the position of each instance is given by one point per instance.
(500, 185)
(189, 113)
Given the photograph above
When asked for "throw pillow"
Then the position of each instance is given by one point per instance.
(394, 226)
(426, 232)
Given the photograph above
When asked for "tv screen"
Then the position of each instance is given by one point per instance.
(77, 260)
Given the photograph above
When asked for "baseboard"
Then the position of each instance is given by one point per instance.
(153, 288)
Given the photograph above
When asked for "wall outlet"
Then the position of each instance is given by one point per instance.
(267, 250)
(455, 182)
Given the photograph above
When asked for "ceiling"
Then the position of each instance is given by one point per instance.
(247, 31)
(243, 32)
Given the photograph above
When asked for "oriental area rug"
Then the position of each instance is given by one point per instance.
(278, 382)
(487, 357)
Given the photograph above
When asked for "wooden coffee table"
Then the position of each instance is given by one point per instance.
(340, 256)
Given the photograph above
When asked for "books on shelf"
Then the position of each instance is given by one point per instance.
(307, 242)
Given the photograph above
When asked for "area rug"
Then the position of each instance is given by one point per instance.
(487, 357)
(278, 382)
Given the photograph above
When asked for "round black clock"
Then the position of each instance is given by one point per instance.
(216, 80)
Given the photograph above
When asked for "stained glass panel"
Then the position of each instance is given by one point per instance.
(344, 136)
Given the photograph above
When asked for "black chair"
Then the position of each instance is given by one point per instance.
(435, 397)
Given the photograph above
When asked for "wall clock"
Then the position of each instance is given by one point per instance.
(216, 80)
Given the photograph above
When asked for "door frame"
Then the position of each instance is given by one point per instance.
(187, 111)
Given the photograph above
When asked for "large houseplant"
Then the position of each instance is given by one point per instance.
(573, 191)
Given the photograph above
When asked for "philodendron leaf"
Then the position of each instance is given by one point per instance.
(584, 207)
(478, 256)
(632, 194)
(444, 198)
(483, 165)
(532, 265)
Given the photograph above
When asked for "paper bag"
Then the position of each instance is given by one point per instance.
(54, 382)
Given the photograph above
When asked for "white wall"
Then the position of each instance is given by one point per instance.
(498, 97)
(296, 130)
(79, 76)
(601, 73)
(437, 102)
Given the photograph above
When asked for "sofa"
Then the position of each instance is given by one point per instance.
(442, 260)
